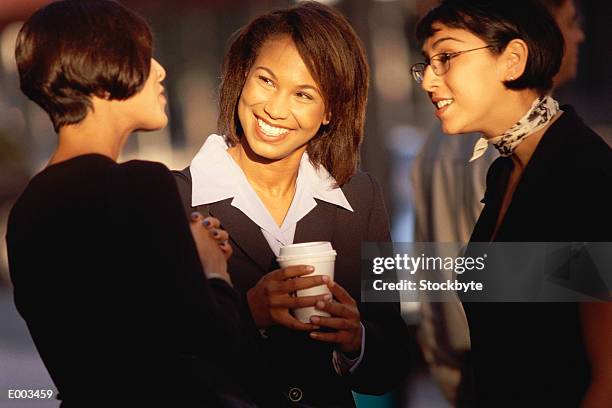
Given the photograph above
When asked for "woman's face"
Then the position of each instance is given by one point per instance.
(469, 97)
(281, 107)
(146, 109)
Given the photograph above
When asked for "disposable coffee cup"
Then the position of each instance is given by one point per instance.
(322, 257)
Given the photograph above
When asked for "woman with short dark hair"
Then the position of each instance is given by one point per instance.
(108, 274)
(292, 110)
(489, 67)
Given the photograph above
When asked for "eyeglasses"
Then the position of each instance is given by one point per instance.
(440, 64)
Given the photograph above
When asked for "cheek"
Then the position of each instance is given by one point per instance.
(309, 117)
(252, 94)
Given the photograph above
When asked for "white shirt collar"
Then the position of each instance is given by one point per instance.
(215, 177)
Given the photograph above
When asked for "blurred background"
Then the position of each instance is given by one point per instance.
(190, 39)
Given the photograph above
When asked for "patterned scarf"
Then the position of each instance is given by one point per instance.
(541, 112)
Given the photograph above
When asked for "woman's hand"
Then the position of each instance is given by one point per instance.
(213, 225)
(212, 257)
(270, 299)
(345, 319)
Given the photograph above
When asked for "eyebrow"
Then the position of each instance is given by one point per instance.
(440, 40)
(303, 86)
(268, 70)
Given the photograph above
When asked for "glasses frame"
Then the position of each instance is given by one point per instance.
(438, 66)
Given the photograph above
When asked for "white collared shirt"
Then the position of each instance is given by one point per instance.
(216, 176)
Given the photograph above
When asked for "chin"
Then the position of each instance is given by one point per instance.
(267, 153)
(451, 130)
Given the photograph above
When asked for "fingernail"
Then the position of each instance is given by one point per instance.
(206, 222)
(315, 319)
(195, 215)
(324, 278)
(310, 268)
(216, 233)
(313, 334)
(327, 297)
(224, 242)
(320, 304)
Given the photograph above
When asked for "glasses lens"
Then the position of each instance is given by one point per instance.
(440, 65)
(418, 71)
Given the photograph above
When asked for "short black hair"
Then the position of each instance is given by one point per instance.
(70, 50)
(497, 22)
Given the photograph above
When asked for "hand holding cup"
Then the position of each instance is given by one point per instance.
(344, 318)
(270, 299)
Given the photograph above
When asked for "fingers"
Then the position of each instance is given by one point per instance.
(208, 222)
(339, 309)
(227, 249)
(341, 294)
(335, 323)
(331, 337)
(211, 222)
(291, 272)
(218, 235)
(292, 285)
(289, 302)
(283, 317)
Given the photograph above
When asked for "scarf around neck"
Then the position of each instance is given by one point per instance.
(539, 115)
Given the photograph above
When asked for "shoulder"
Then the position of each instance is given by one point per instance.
(361, 183)
(586, 152)
(362, 191)
(143, 182)
(144, 174)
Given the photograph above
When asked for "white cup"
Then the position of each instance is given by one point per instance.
(322, 257)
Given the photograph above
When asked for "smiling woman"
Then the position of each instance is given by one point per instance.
(280, 108)
(292, 109)
(489, 68)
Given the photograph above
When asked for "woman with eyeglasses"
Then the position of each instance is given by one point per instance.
(489, 67)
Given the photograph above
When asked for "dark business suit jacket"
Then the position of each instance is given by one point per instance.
(533, 354)
(300, 367)
(109, 282)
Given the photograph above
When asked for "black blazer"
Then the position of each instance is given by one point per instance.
(301, 368)
(107, 277)
(533, 354)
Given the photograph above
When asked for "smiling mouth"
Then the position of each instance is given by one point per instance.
(269, 130)
(443, 103)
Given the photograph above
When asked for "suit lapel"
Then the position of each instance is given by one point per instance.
(244, 233)
(317, 225)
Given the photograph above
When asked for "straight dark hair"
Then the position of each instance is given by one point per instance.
(336, 60)
(70, 50)
(497, 22)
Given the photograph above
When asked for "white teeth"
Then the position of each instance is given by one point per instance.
(443, 103)
(271, 130)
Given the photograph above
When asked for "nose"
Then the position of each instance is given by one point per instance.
(429, 79)
(276, 106)
(159, 69)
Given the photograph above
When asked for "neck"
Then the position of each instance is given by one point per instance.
(98, 133)
(514, 106)
(274, 178)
